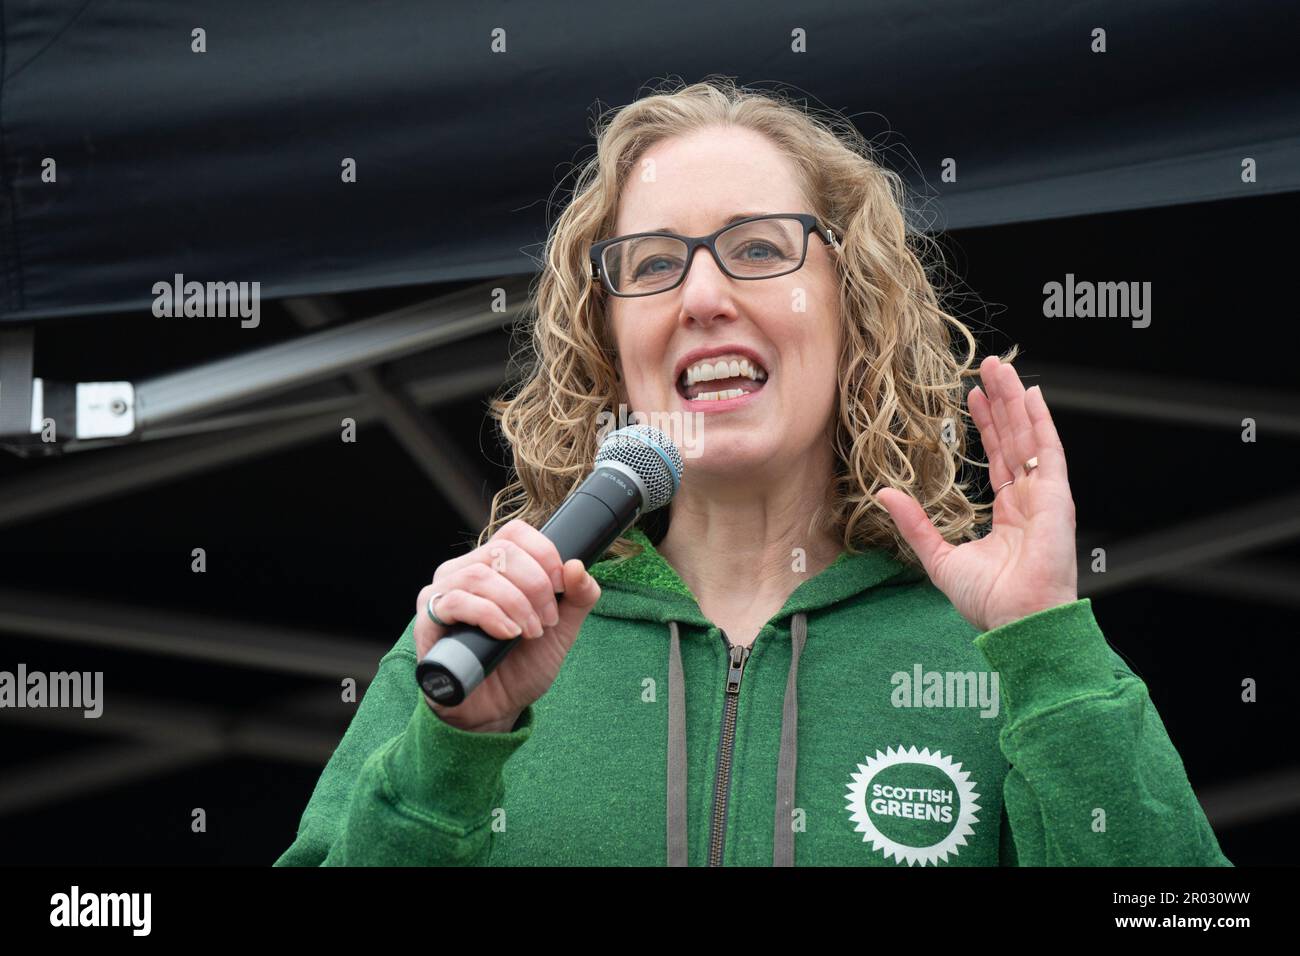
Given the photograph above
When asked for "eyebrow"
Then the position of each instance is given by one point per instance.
(736, 218)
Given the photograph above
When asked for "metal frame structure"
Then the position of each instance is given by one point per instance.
(388, 368)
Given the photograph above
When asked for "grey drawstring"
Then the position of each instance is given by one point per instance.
(676, 753)
(783, 832)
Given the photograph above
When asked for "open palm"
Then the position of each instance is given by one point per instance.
(1026, 563)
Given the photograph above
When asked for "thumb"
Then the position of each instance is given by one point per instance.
(581, 592)
(915, 526)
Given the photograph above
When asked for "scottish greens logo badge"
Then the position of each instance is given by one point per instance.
(917, 807)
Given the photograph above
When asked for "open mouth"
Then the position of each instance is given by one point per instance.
(722, 377)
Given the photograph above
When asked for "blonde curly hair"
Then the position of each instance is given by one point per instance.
(901, 418)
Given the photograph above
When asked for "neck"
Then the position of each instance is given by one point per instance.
(744, 546)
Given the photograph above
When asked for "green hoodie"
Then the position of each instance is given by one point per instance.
(869, 724)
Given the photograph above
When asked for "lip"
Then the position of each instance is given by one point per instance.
(699, 355)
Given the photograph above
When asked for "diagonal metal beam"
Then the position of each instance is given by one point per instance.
(430, 447)
(327, 354)
(337, 399)
(103, 768)
(1139, 395)
(1193, 543)
(1256, 581)
(268, 734)
(1248, 579)
(118, 471)
(1256, 798)
(166, 738)
(193, 636)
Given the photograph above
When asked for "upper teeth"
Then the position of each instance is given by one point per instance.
(712, 369)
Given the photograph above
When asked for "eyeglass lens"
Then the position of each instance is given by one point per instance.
(749, 250)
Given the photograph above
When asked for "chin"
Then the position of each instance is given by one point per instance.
(738, 456)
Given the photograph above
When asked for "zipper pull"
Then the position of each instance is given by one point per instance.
(738, 657)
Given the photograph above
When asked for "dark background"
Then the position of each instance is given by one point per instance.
(1122, 168)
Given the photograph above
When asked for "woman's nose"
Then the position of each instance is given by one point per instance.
(704, 280)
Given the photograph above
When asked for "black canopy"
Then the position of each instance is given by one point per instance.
(226, 165)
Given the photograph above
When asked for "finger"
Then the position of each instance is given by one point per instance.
(519, 565)
(499, 583)
(1047, 443)
(1022, 431)
(459, 605)
(542, 548)
(514, 537)
(581, 592)
(502, 557)
(990, 375)
(915, 527)
(481, 580)
(1008, 449)
(980, 411)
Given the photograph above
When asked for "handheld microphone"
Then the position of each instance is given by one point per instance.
(638, 469)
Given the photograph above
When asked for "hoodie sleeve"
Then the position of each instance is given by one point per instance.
(1094, 778)
(405, 788)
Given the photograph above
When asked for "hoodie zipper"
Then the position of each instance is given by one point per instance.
(722, 782)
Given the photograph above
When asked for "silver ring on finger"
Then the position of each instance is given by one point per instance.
(1003, 485)
(433, 615)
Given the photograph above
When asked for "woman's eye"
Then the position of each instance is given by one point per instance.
(646, 266)
(760, 246)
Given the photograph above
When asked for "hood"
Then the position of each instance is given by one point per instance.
(645, 587)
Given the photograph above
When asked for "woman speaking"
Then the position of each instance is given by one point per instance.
(821, 652)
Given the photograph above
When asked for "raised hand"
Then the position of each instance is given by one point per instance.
(1026, 563)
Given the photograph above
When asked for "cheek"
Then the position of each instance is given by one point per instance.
(642, 359)
(814, 385)
(814, 395)
(643, 390)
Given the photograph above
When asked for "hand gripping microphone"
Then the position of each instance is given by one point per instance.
(638, 469)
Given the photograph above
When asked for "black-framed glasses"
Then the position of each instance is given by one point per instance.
(760, 247)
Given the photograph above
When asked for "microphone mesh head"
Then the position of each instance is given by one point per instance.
(651, 455)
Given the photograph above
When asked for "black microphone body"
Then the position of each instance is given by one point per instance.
(591, 518)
